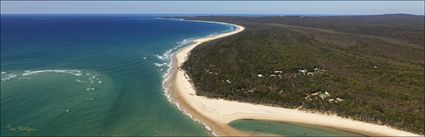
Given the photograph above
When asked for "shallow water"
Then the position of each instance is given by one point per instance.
(92, 74)
(261, 128)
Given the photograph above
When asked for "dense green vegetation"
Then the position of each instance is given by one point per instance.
(403, 27)
(349, 67)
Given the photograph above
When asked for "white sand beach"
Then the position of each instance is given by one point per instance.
(217, 113)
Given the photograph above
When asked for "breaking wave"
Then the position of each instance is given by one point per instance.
(72, 72)
(164, 60)
(166, 64)
(8, 77)
(88, 80)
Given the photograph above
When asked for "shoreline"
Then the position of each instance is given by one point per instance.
(215, 114)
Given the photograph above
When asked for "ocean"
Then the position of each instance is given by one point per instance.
(102, 75)
(88, 75)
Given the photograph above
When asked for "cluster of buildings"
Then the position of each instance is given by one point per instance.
(324, 96)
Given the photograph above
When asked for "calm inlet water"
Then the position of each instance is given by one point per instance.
(92, 74)
(259, 128)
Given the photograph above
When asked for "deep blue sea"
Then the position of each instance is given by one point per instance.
(92, 74)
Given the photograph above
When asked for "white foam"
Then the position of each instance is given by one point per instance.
(87, 79)
(79, 81)
(8, 77)
(166, 75)
(160, 57)
(160, 64)
(72, 72)
(168, 62)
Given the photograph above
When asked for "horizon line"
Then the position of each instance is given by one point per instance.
(279, 14)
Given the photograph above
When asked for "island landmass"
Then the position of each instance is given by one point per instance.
(355, 73)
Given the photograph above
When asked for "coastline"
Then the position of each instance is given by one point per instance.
(217, 113)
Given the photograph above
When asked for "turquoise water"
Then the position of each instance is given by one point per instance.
(92, 74)
(262, 128)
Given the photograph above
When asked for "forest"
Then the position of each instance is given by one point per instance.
(369, 68)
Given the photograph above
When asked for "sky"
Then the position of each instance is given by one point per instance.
(213, 7)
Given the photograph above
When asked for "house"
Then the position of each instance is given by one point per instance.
(228, 81)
